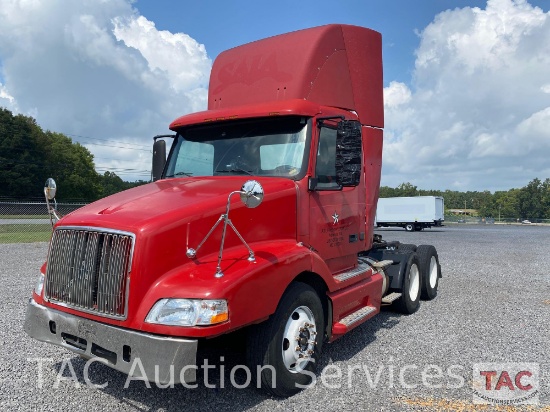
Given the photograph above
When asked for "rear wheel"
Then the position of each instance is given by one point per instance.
(409, 302)
(406, 248)
(409, 227)
(283, 351)
(430, 270)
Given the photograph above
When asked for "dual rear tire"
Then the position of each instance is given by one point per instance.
(421, 277)
(409, 302)
(430, 270)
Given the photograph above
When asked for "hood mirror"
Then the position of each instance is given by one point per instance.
(252, 193)
(50, 188)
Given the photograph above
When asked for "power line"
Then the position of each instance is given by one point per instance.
(103, 140)
(119, 147)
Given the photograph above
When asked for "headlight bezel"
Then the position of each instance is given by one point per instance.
(39, 286)
(188, 312)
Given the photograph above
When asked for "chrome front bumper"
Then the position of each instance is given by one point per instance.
(120, 348)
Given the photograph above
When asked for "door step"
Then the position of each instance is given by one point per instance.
(382, 264)
(391, 297)
(359, 270)
(345, 324)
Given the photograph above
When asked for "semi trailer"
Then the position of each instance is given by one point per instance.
(260, 220)
(410, 213)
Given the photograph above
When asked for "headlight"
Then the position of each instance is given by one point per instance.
(39, 285)
(188, 312)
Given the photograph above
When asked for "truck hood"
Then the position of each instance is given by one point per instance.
(169, 216)
(142, 208)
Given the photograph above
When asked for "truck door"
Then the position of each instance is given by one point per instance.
(337, 213)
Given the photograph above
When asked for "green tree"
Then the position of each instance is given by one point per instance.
(407, 189)
(404, 189)
(530, 199)
(20, 161)
(28, 156)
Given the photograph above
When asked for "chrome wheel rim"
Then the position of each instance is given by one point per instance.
(433, 272)
(299, 339)
(414, 282)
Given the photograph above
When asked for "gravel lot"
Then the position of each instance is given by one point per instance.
(493, 306)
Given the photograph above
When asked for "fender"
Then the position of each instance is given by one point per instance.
(397, 269)
(252, 289)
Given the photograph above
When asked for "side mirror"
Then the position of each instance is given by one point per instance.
(159, 159)
(50, 188)
(348, 153)
(252, 194)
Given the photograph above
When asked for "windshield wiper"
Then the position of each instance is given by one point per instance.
(181, 174)
(235, 170)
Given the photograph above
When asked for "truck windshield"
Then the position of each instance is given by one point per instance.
(263, 147)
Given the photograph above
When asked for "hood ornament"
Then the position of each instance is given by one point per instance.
(252, 194)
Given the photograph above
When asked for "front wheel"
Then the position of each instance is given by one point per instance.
(409, 227)
(283, 351)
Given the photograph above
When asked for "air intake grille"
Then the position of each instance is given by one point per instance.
(88, 270)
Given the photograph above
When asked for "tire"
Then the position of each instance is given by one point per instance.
(430, 271)
(409, 227)
(406, 248)
(298, 323)
(409, 302)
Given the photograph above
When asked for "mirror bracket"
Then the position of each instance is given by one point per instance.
(252, 194)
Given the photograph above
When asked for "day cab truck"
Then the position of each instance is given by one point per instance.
(410, 213)
(260, 219)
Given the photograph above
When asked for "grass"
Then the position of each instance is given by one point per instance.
(25, 233)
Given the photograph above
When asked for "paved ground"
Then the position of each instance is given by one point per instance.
(493, 306)
(23, 221)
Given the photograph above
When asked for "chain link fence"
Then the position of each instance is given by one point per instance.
(28, 221)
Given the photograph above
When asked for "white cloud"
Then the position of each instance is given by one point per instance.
(396, 94)
(6, 99)
(478, 104)
(99, 69)
(536, 128)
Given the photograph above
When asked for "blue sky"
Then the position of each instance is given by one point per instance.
(467, 90)
(220, 25)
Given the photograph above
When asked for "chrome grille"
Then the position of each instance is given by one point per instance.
(88, 270)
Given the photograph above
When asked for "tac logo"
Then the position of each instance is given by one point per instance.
(506, 383)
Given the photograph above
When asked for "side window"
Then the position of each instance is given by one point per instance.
(325, 166)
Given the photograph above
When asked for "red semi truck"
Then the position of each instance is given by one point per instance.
(294, 129)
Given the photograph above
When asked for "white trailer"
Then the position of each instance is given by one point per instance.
(410, 213)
